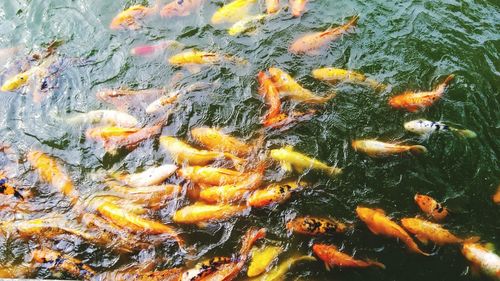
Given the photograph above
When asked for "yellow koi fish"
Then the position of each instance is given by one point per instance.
(279, 272)
(334, 75)
(214, 139)
(374, 148)
(232, 12)
(246, 24)
(483, 258)
(57, 261)
(231, 192)
(200, 213)
(212, 176)
(115, 138)
(153, 197)
(262, 259)
(288, 87)
(23, 78)
(290, 159)
(426, 230)
(131, 17)
(275, 193)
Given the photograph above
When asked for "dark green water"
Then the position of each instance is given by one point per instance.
(407, 44)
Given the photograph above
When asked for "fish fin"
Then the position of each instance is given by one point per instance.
(448, 79)
(418, 149)
(192, 68)
(372, 229)
(465, 133)
(380, 211)
(287, 167)
(300, 170)
(202, 224)
(376, 263)
(315, 52)
(327, 266)
(490, 246)
(422, 239)
(334, 171)
(473, 239)
(18, 195)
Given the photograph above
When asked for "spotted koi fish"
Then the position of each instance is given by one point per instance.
(431, 207)
(316, 226)
(57, 261)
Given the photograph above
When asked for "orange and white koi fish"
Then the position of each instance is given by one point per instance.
(288, 87)
(57, 261)
(374, 148)
(380, 224)
(215, 139)
(292, 160)
(333, 75)
(426, 230)
(272, 6)
(201, 213)
(232, 12)
(212, 175)
(131, 17)
(117, 137)
(332, 257)
(431, 207)
(298, 7)
(311, 44)
(483, 258)
(180, 8)
(230, 271)
(262, 259)
(184, 153)
(275, 193)
(231, 192)
(51, 172)
(415, 101)
(151, 176)
(272, 97)
(496, 196)
(316, 226)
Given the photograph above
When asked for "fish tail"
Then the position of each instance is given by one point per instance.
(353, 21)
(448, 79)
(418, 149)
(473, 239)
(252, 235)
(465, 133)
(377, 264)
(334, 171)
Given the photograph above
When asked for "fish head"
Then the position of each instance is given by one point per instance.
(15, 82)
(322, 250)
(416, 126)
(365, 214)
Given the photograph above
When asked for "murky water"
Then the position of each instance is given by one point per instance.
(406, 44)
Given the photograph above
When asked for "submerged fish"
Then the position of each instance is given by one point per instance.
(15, 271)
(215, 139)
(7, 189)
(106, 117)
(331, 256)
(374, 148)
(275, 193)
(114, 138)
(431, 207)
(316, 226)
(280, 271)
(379, 224)
(496, 196)
(131, 17)
(246, 24)
(204, 268)
(298, 7)
(232, 12)
(153, 197)
(290, 159)
(425, 231)
(160, 103)
(271, 95)
(212, 175)
(57, 261)
(331, 74)
(483, 258)
(151, 176)
(36, 72)
(311, 44)
(272, 6)
(262, 259)
(180, 8)
(201, 213)
(426, 127)
(149, 50)
(414, 101)
(231, 192)
(288, 87)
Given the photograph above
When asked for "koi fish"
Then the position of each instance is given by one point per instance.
(374, 148)
(107, 117)
(246, 24)
(114, 138)
(184, 153)
(212, 176)
(204, 268)
(194, 59)
(431, 207)
(50, 172)
(275, 193)
(232, 12)
(285, 121)
(379, 224)
(271, 95)
(316, 226)
(496, 196)
(298, 7)
(131, 17)
(201, 213)
(279, 272)
(180, 8)
(331, 256)
(141, 274)
(8, 189)
(151, 176)
(21, 79)
(483, 258)
(173, 96)
(60, 262)
(425, 231)
(426, 128)
(288, 87)
(153, 197)
(15, 271)
(262, 259)
(231, 192)
(332, 75)
(150, 50)
(290, 159)
(414, 101)
(272, 6)
(311, 44)
(230, 271)
(214, 139)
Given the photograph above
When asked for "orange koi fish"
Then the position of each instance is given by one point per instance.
(298, 7)
(380, 224)
(272, 6)
(271, 95)
(496, 196)
(212, 176)
(201, 213)
(57, 261)
(131, 17)
(311, 44)
(374, 148)
(316, 226)
(483, 258)
(51, 173)
(431, 207)
(214, 139)
(414, 101)
(15, 271)
(425, 231)
(180, 8)
(331, 256)
(116, 137)
(275, 193)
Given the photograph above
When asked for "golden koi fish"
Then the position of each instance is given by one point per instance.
(214, 139)
(275, 193)
(200, 213)
(380, 224)
(23, 78)
(496, 196)
(290, 159)
(151, 176)
(331, 256)
(311, 44)
(483, 258)
(116, 137)
(232, 12)
(262, 259)
(316, 226)
(374, 148)
(51, 173)
(288, 87)
(298, 7)
(131, 17)
(431, 207)
(15, 271)
(270, 93)
(279, 272)
(181, 8)
(334, 75)
(272, 6)
(246, 24)
(153, 197)
(425, 231)
(212, 176)
(231, 192)
(57, 261)
(193, 60)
